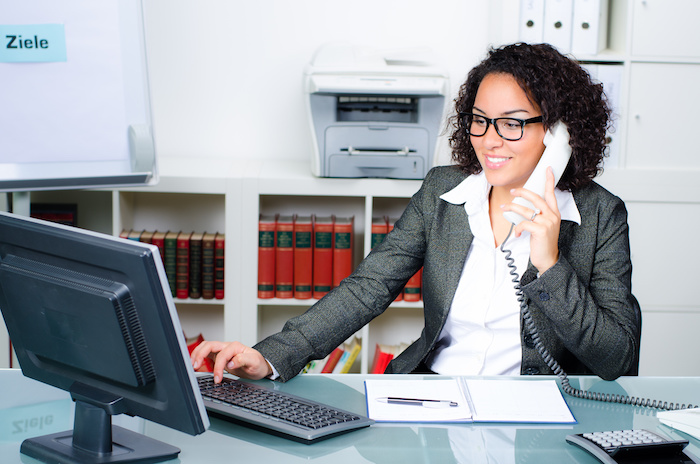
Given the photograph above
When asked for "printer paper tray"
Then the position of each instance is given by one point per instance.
(385, 166)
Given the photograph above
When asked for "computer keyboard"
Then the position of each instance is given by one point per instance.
(276, 412)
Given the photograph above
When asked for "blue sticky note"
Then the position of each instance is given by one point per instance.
(32, 43)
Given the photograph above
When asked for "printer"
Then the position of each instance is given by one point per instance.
(373, 113)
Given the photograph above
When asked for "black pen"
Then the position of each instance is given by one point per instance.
(417, 401)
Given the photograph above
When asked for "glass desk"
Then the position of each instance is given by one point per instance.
(28, 408)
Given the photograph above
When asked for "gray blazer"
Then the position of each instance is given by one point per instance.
(583, 307)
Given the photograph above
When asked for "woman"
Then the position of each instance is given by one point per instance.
(572, 252)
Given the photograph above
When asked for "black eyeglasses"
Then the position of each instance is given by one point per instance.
(510, 129)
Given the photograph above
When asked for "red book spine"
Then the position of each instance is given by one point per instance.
(208, 266)
(219, 260)
(266, 257)
(412, 289)
(182, 260)
(323, 256)
(342, 249)
(284, 257)
(303, 257)
(380, 227)
(389, 228)
(333, 359)
(382, 358)
(159, 241)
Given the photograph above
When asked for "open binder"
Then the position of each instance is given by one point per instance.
(462, 399)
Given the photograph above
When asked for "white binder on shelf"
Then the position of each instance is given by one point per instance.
(558, 17)
(531, 26)
(590, 27)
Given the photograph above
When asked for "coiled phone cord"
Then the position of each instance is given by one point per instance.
(554, 365)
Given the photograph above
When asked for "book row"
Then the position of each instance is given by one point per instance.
(342, 359)
(193, 261)
(305, 257)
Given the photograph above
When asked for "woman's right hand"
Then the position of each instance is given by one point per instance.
(234, 357)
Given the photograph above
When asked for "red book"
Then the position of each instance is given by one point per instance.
(323, 256)
(380, 227)
(303, 257)
(182, 260)
(333, 359)
(195, 284)
(208, 266)
(159, 241)
(219, 261)
(389, 228)
(284, 257)
(382, 357)
(342, 249)
(411, 291)
(266, 257)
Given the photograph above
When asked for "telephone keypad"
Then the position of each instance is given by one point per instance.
(611, 446)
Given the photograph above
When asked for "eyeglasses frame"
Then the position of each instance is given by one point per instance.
(492, 121)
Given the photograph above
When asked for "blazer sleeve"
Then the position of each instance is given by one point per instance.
(362, 296)
(584, 303)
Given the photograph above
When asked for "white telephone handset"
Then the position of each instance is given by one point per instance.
(556, 154)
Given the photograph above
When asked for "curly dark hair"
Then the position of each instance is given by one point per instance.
(560, 88)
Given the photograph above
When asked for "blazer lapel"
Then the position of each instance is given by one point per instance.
(458, 238)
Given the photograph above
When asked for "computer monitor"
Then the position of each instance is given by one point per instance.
(93, 315)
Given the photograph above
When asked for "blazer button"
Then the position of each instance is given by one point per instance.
(529, 342)
(544, 296)
(531, 371)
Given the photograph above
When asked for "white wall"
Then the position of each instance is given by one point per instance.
(226, 75)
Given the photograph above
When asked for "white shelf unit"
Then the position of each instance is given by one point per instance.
(657, 45)
(658, 170)
(289, 188)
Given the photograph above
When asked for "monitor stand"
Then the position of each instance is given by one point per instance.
(95, 440)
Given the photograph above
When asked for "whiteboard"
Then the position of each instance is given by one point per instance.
(78, 120)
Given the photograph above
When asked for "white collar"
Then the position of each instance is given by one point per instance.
(473, 192)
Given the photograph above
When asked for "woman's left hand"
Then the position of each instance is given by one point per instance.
(544, 226)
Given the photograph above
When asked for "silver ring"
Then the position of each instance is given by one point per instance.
(534, 214)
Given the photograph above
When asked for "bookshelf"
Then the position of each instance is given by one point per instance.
(190, 197)
(271, 187)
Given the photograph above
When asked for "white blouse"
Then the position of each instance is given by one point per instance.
(482, 332)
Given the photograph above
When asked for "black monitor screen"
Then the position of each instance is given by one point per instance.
(93, 315)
